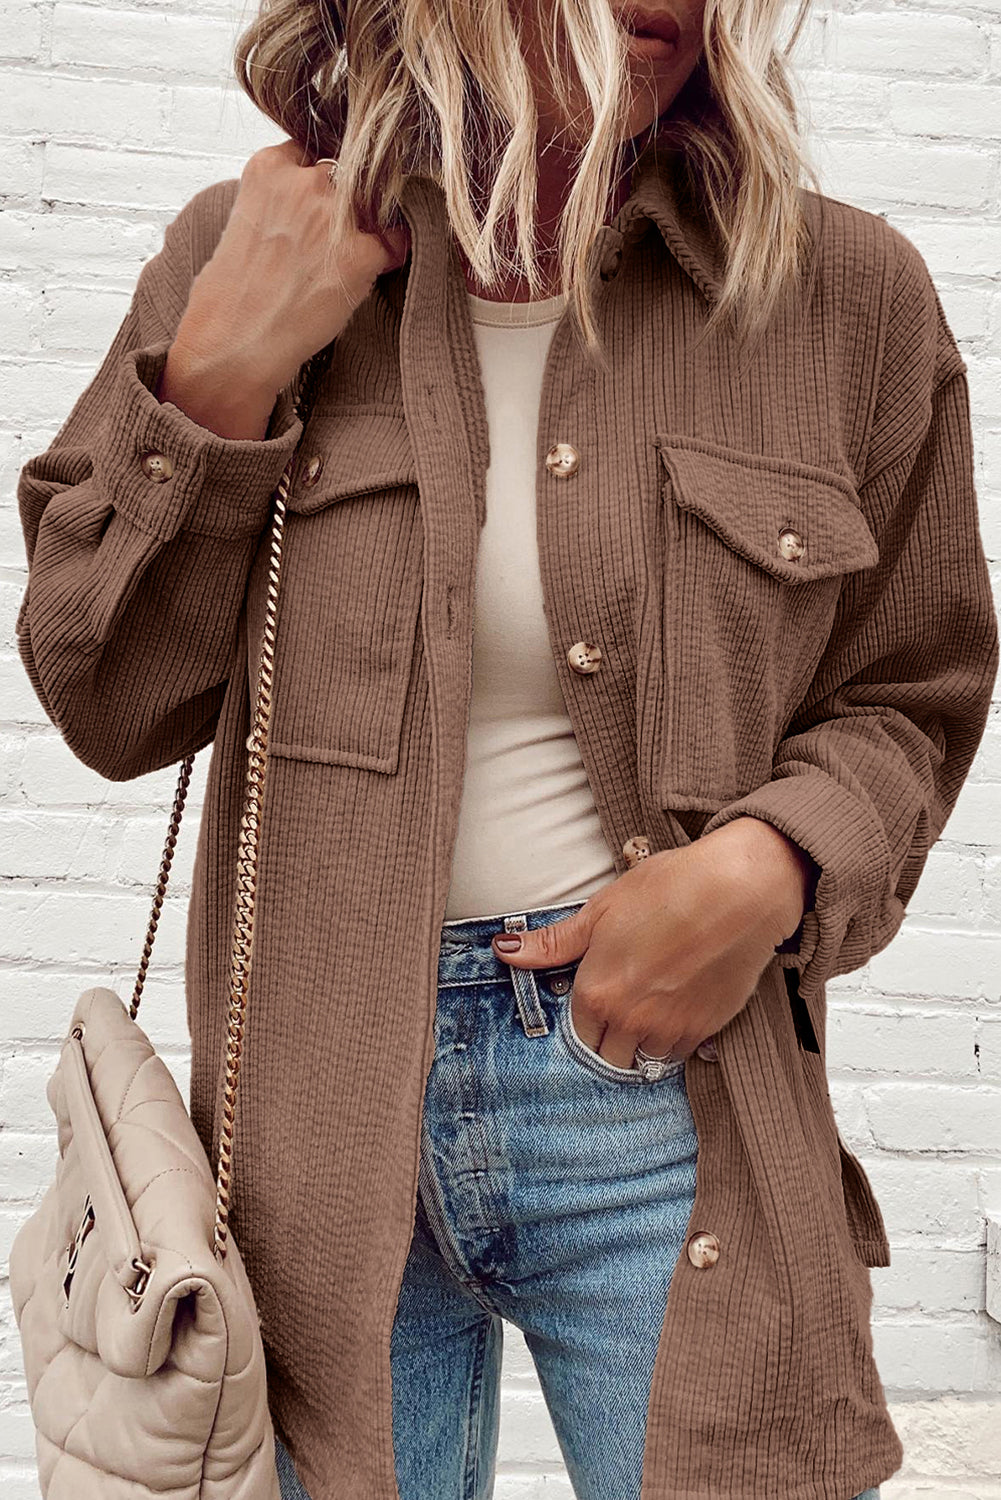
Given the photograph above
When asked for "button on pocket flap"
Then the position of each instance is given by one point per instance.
(794, 520)
(351, 450)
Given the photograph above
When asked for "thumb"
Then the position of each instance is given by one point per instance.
(543, 947)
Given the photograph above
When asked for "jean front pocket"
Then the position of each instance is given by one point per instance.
(582, 1053)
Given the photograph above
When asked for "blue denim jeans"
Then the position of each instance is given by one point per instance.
(554, 1194)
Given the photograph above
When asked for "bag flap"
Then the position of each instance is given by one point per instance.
(127, 1140)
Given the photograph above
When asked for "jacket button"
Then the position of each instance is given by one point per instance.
(562, 460)
(156, 466)
(703, 1249)
(313, 469)
(584, 658)
(791, 544)
(707, 1050)
(636, 848)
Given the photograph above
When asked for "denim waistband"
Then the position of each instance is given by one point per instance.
(465, 953)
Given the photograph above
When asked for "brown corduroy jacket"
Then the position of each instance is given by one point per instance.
(840, 693)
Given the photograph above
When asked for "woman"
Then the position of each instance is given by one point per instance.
(665, 650)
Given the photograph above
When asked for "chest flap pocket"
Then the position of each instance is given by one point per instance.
(746, 567)
(349, 593)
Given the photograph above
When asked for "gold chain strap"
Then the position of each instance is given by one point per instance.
(250, 826)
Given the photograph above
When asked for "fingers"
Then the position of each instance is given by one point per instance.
(610, 1031)
(618, 1047)
(616, 1040)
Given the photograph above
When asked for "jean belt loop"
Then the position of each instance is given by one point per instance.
(526, 991)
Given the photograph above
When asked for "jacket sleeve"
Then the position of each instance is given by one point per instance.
(127, 626)
(873, 761)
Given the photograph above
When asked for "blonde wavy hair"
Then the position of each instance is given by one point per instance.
(441, 88)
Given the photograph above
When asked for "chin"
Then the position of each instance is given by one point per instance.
(640, 118)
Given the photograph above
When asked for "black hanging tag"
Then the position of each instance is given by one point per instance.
(800, 1015)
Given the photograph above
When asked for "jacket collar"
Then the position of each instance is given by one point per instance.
(653, 198)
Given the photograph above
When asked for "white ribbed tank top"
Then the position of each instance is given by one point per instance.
(529, 833)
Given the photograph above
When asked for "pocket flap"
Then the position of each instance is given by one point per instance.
(118, 1234)
(749, 499)
(364, 448)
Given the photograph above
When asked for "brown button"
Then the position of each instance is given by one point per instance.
(156, 466)
(707, 1050)
(562, 460)
(584, 657)
(636, 848)
(559, 984)
(313, 469)
(703, 1249)
(791, 544)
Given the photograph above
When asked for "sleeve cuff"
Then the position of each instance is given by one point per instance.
(852, 915)
(219, 486)
(792, 943)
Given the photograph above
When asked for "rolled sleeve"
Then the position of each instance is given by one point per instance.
(875, 757)
(219, 487)
(137, 571)
(840, 829)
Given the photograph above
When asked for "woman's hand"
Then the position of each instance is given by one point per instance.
(275, 291)
(674, 948)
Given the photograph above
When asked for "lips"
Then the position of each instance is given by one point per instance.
(657, 25)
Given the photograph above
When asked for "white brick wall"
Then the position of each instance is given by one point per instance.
(111, 116)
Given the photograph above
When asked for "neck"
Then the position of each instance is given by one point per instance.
(554, 181)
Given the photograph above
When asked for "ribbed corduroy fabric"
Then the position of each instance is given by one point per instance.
(841, 695)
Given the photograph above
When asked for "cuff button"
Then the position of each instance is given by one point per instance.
(156, 466)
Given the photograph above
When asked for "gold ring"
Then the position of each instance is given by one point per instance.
(332, 170)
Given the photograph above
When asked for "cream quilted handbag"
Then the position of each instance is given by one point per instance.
(140, 1335)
